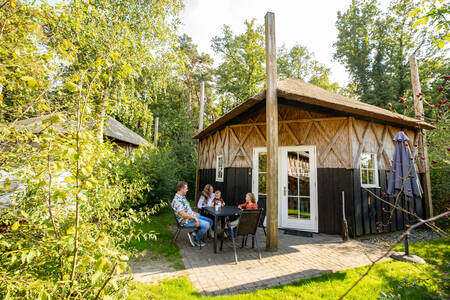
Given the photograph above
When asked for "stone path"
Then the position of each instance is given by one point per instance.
(297, 258)
(151, 270)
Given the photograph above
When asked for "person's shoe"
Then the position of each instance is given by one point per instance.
(191, 239)
(199, 243)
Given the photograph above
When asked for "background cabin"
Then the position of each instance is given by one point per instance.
(327, 144)
(113, 131)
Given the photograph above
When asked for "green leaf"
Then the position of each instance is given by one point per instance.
(15, 226)
(97, 275)
(30, 256)
(71, 87)
(31, 82)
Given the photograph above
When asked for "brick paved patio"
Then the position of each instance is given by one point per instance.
(297, 258)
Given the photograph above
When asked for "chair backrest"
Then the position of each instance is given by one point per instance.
(249, 221)
(262, 204)
(174, 215)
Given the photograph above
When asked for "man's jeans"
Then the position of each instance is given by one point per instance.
(204, 224)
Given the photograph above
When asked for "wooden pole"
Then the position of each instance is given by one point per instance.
(200, 128)
(202, 106)
(272, 134)
(418, 109)
(155, 138)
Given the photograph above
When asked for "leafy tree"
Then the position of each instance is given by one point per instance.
(197, 67)
(434, 13)
(25, 69)
(374, 46)
(241, 73)
(298, 62)
(62, 236)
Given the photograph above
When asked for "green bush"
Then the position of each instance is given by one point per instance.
(155, 166)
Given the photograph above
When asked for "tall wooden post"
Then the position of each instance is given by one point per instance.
(155, 138)
(418, 109)
(200, 128)
(202, 106)
(272, 134)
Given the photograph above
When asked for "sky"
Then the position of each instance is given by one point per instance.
(310, 23)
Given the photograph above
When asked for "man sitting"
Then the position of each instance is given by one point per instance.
(187, 217)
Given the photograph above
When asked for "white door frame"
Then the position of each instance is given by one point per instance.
(305, 225)
(282, 183)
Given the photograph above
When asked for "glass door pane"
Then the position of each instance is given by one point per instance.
(298, 191)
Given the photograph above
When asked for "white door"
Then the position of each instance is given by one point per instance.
(297, 183)
(297, 197)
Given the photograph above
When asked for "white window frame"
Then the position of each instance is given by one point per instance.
(375, 169)
(219, 179)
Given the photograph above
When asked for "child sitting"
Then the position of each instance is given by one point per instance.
(218, 199)
(250, 203)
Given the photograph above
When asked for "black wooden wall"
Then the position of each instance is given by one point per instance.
(237, 182)
(372, 215)
(364, 212)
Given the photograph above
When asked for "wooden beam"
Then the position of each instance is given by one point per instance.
(261, 135)
(155, 141)
(289, 130)
(202, 106)
(330, 146)
(308, 129)
(290, 121)
(272, 134)
(418, 109)
(361, 146)
(349, 143)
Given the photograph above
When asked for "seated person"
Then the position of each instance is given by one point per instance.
(250, 203)
(206, 197)
(187, 217)
(218, 199)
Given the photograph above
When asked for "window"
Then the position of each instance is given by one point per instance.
(369, 172)
(219, 168)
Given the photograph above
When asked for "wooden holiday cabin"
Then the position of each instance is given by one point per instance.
(114, 131)
(328, 143)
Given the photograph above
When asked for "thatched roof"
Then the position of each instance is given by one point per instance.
(113, 129)
(116, 130)
(301, 91)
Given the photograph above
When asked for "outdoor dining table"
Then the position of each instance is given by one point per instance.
(222, 212)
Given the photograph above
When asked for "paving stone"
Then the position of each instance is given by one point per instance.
(297, 258)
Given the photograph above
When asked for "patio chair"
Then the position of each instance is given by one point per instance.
(261, 224)
(248, 224)
(180, 227)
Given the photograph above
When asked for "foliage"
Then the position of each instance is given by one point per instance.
(241, 73)
(434, 13)
(61, 234)
(154, 166)
(299, 63)
(177, 129)
(374, 47)
(197, 68)
(25, 69)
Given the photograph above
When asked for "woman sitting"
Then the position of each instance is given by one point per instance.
(206, 197)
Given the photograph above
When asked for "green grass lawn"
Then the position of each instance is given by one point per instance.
(162, 247)
(383, 277)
